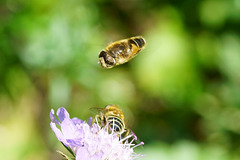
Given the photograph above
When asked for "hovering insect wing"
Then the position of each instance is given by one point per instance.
(96, 110)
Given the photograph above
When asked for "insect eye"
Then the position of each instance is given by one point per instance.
(102, 54)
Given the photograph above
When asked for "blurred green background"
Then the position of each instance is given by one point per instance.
(181, 94)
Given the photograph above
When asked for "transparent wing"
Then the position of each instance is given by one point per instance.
(96, 110)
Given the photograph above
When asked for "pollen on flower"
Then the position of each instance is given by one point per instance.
(86, 141)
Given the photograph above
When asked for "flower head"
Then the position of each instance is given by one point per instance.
(91, 142)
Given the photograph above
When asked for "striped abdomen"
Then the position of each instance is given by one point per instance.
(115, 124)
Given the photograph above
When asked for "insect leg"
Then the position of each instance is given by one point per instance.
(127, 132)
(96, 119)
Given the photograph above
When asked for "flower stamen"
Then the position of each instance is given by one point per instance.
(141, 143)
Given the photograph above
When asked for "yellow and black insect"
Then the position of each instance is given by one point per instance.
(112, 116)
(121, 51)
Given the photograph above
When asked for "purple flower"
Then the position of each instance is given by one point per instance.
(91, 142)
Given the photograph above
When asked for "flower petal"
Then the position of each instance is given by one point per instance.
(53, 117)
(82, 154)
(95, 128)
(58, 133)
(62, 114)
(90, 121)
(69, 130)
(77, 121)
(74, 143)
